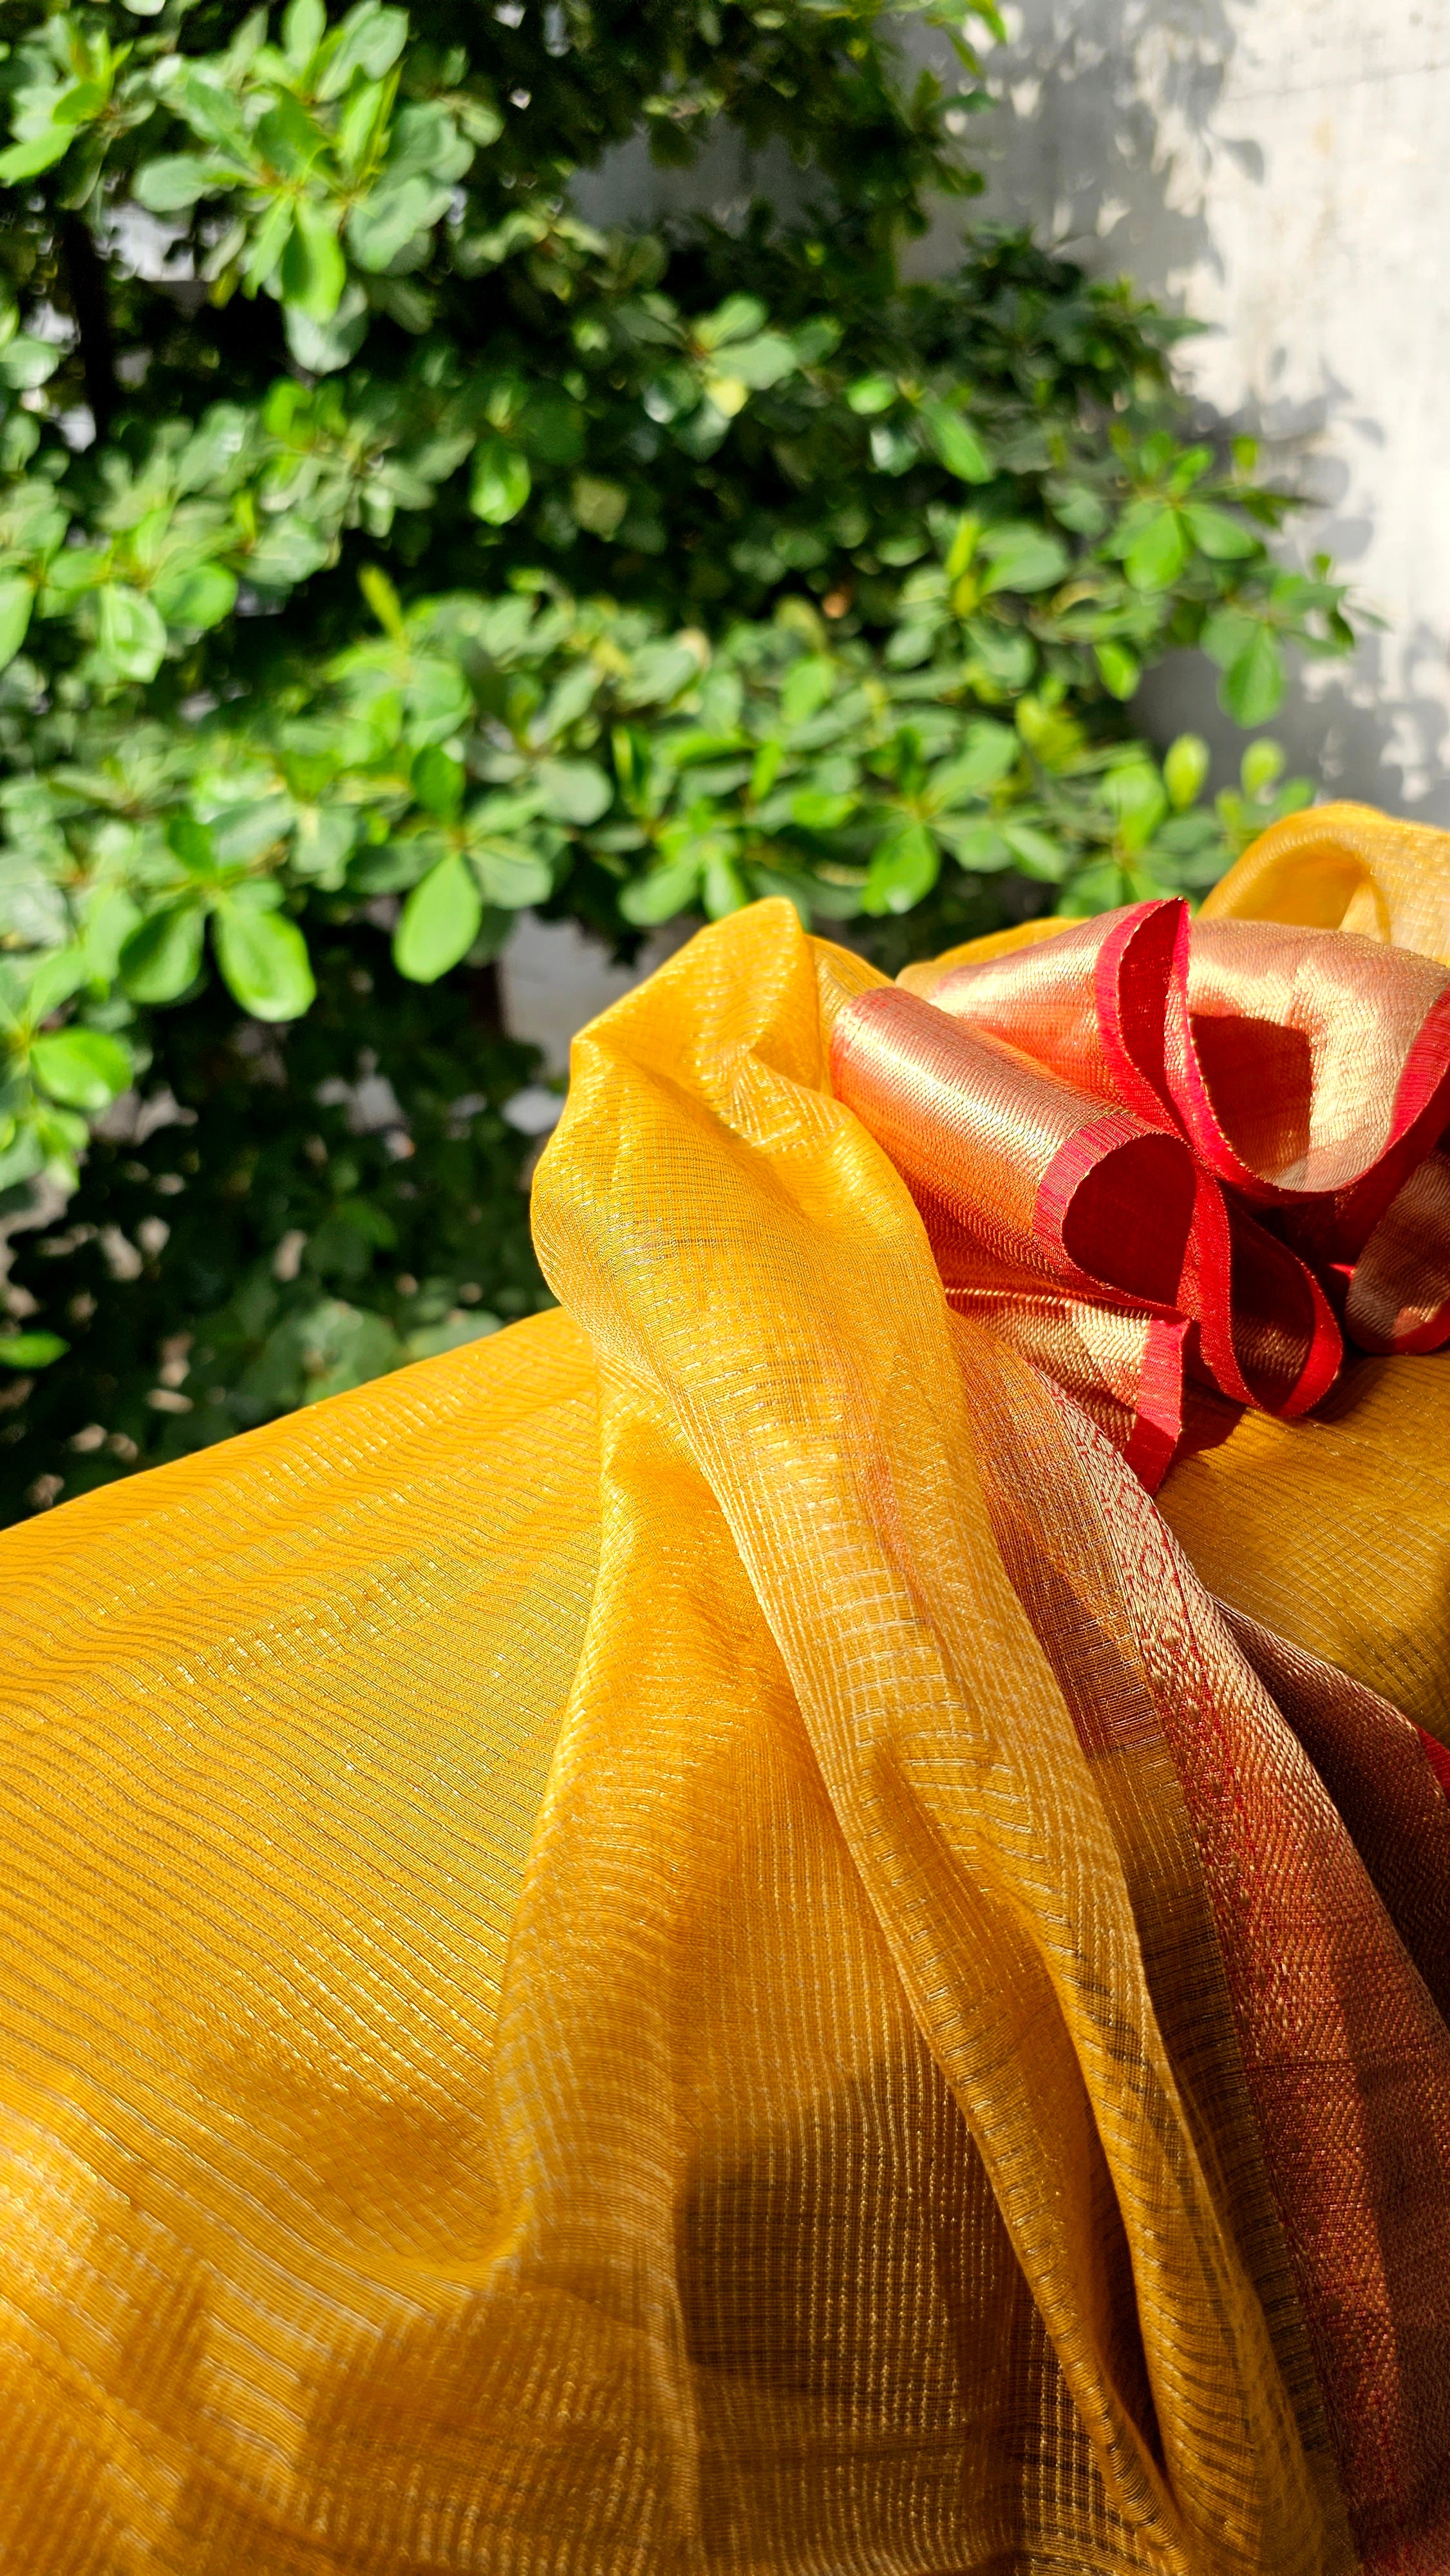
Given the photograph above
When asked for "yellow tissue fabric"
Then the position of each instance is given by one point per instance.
(1344, 867)
(570, 2001)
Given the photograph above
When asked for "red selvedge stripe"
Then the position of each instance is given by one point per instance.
(1143, 959)
(1438, 1757)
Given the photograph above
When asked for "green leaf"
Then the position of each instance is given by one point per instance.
(325, 347)
(384, 602)
(1252, 687)
(200, 596)
(163, 956)
(481, 123)
(360, 126)
(1223, 538)
(1021, 557)
(268, 243)
(893, 450)
(1052, 734)
(313, 272)
(1002, 659)
(662, 894)
(761, 362)
(659, 671)
(304, 25)
(1119, 669)
(82, 1068)
(721, 884)
(597, 505)
(501, 482)
(1227, 634)
(1035, 853)
(24, 1156)
(193, 844)
(1159, 550)
(39, 152)
(990, 752)
(1262, 765)
(289, 138)
(439, 699)
(169, 186)
(286, 552)
(872, 394)
(369, 40)
(1078, 507)
(1099, 887)
(808, 685)
(263, 958)
(110, 917)
(574, 791)
(211, 111)
(130, 636)
(31, 1350)
(57, 976)
(552, 428)
(425, 140)
(438, 782)
(26, 363)
(323, 841)
(957, 443)
(904, 868)
(510, 873)
(242, 830)
(440, 921)
(16, 602)
(1189, 468)
(1135, 797)
(817, 339)
(78, 104)
(738, 318)
(333, 1347)
(978, 847)
(390, 217)
(1158, 453)
(815, 809)
(1185, 768)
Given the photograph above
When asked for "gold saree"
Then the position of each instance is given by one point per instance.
(700, 1941)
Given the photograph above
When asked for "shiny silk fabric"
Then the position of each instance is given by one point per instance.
(701, 1941)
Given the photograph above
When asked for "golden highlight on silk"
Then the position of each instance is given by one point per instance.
(1175, 1161)
(700, 1940)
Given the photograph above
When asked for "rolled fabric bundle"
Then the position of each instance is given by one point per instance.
(1303, 1077)
(1072, 1224)
(699, 1939)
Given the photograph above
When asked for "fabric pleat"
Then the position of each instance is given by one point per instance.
(1344, 867)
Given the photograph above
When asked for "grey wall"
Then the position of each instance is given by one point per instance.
(1277, 169)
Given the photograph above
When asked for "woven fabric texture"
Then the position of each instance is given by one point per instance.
(699, 1942)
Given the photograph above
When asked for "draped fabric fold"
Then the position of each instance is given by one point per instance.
(700, 1942)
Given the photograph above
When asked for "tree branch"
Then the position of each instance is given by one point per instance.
(86, 279)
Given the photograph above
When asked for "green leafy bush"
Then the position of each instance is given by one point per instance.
(289, 1230)
(385, 550)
